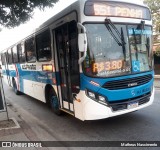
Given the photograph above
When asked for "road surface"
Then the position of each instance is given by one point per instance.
(142, 125)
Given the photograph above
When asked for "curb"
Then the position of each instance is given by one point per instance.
(14, 127)
(157, 87)
(156, 76)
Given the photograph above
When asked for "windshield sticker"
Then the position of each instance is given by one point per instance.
(142, 32)
(113, 72)
(135, 66)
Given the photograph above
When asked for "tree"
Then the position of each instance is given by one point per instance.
(154, 5)
(157, 51)
(15, 12)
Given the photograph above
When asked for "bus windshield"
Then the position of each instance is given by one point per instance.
(106, 57)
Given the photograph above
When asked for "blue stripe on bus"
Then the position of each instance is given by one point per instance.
(37, 76)
(114, 95)
(4, 72)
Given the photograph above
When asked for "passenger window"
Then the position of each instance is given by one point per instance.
(9, 54)
(15, 56)
(21, 53)
(3, 59)
(43, 46)
(30, 50)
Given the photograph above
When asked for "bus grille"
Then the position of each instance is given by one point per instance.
(116, 106)
(127, 83)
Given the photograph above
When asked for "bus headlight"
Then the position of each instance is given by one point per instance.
(96, 97)
(101, 98)
(91, 94)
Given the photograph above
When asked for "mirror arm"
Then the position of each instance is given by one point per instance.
(82, 58)
(80, 26)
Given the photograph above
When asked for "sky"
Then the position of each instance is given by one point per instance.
(9, 37)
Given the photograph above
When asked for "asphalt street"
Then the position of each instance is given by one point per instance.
(142, 125)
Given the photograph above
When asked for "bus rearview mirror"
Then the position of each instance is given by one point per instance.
(82, 42)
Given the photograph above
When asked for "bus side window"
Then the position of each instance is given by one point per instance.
(9, 56)
(15, 56)
(3, 59)
(43, 46)
(21, 53)
(30, 50)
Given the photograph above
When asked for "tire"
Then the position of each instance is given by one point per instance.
(54, 103)
(15, 87)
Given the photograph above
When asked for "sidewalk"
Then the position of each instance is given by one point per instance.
(21, 132)
(157, 81)
(30, 130)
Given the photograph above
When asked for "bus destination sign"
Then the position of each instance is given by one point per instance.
(113, 9)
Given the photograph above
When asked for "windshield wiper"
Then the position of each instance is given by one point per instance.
(148, 49)
(141, 27)
(123, 45)
(120, 35)
(148, 45)
(135, 40)
(115, 38)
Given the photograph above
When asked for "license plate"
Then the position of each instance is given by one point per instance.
(132, 105)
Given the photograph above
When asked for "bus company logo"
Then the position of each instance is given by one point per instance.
(132, 84)
(29, 67)
(133, 93)
(6, 144)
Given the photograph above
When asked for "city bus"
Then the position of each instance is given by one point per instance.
(93, 60)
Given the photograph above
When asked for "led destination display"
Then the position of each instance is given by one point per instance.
(113, 9)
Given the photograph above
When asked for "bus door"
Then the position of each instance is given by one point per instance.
(68, 55)
(7, 69)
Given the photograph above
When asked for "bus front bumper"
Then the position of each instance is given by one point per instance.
(92, 110)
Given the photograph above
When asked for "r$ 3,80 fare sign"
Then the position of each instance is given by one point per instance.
(107, 66)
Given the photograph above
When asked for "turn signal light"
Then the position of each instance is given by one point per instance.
(48, 68)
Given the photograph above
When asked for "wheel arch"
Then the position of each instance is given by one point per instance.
(14, 85)
(13, 79)
(48, 87)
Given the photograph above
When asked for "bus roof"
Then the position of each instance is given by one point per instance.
(69, 9)
(138, 2)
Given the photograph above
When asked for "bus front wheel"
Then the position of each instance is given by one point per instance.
(54, 103)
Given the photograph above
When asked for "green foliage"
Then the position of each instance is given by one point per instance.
(157, 51)
(154, 5)
(15, 12)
